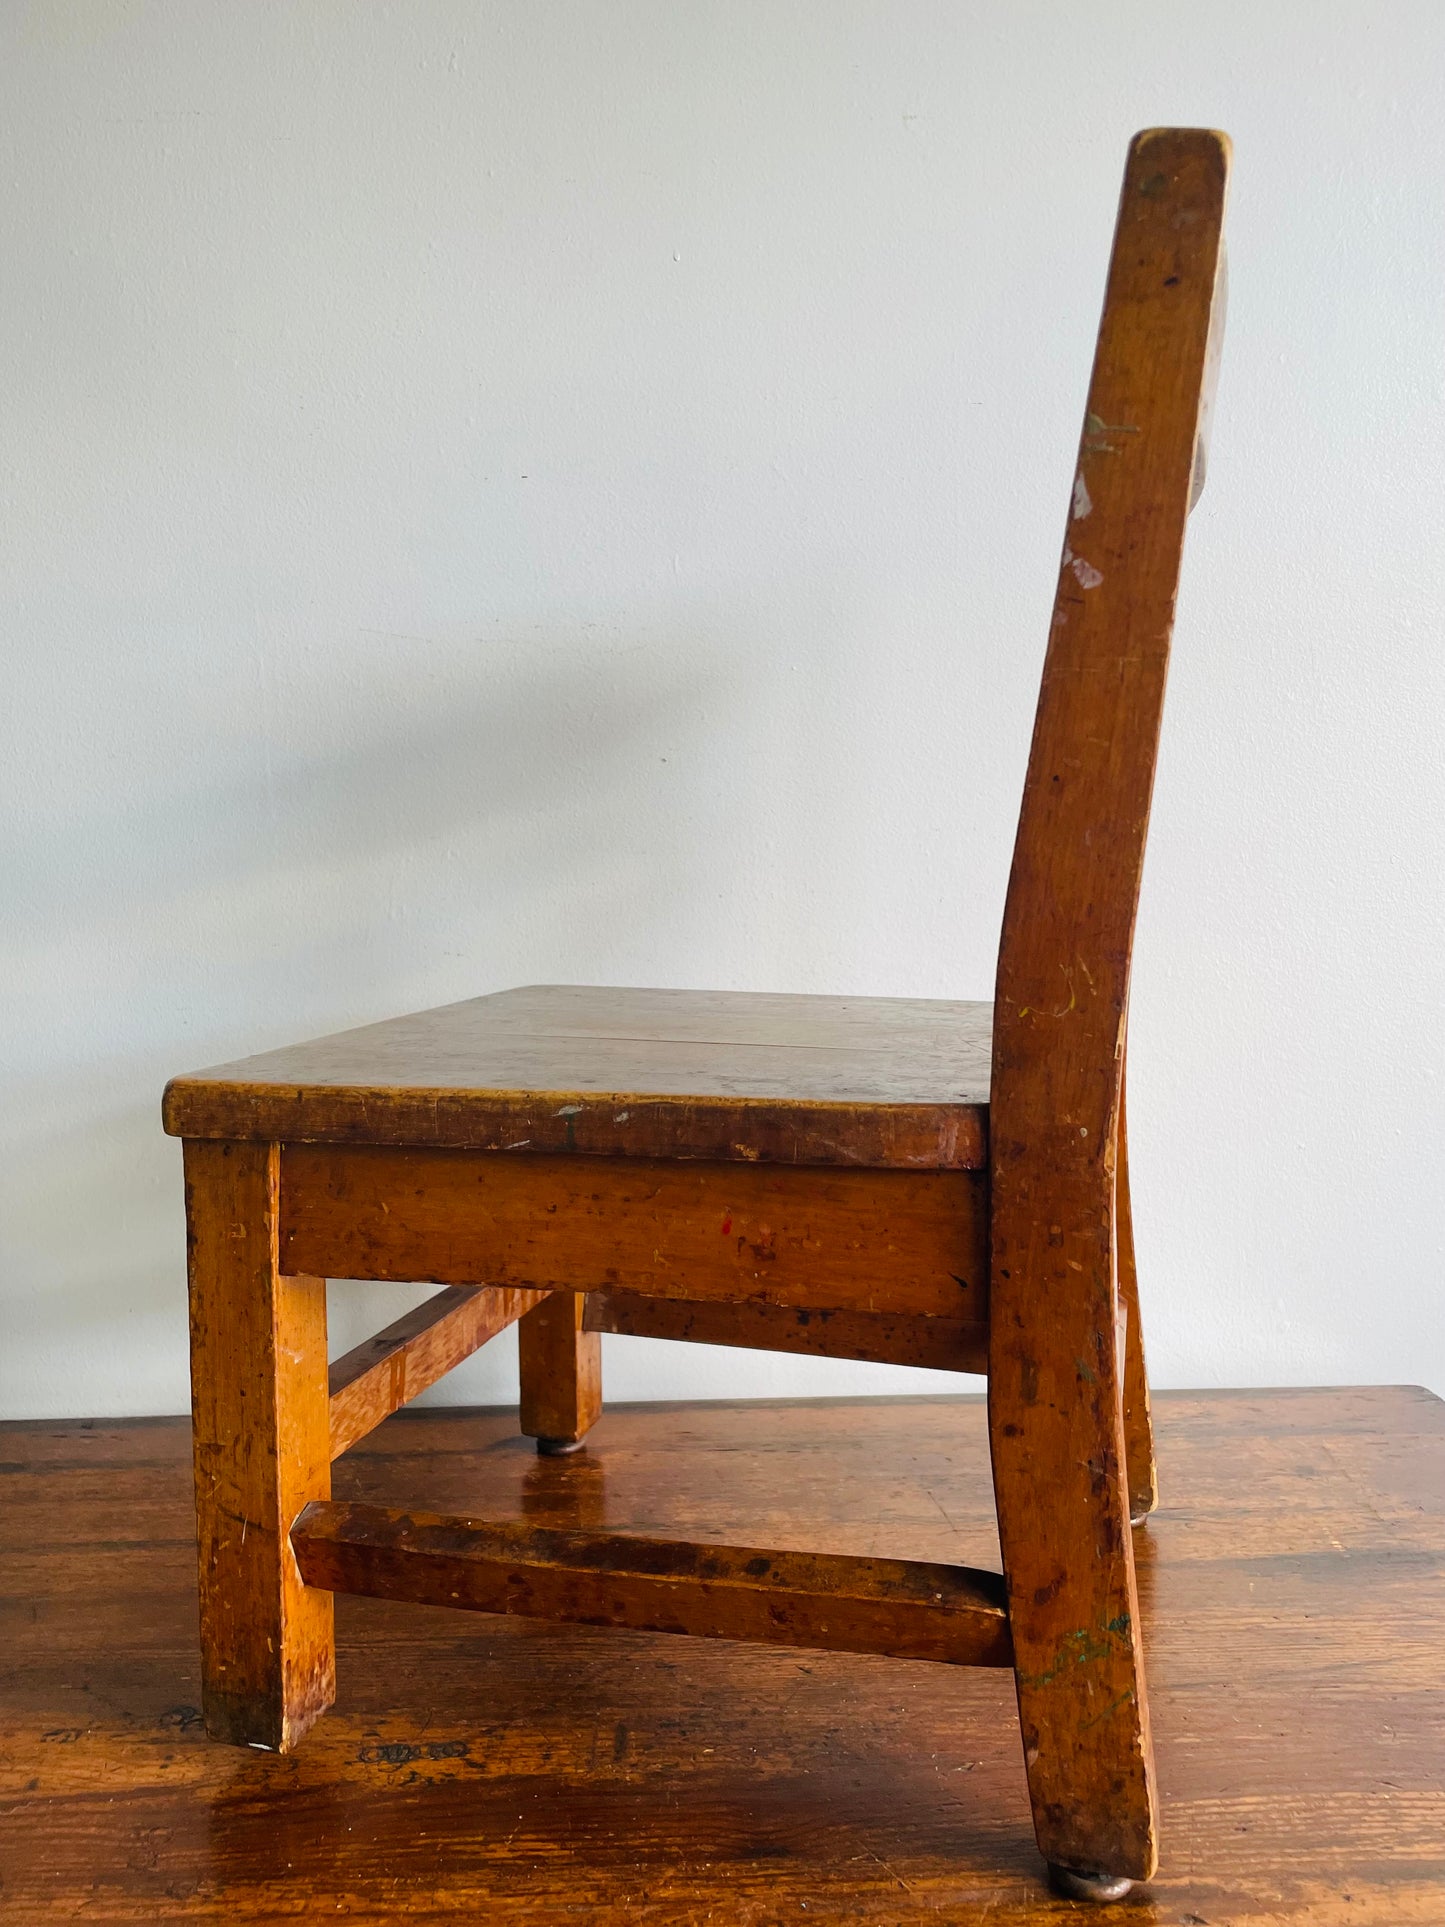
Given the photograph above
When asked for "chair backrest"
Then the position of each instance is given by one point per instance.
(1063, 969)
(1057, 1211)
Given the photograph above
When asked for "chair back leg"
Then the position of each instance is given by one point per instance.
(560, 1366)
(1056, 1427)
(1138, 1421)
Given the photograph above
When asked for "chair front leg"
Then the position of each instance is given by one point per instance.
(561, 1373)
(262, 1452)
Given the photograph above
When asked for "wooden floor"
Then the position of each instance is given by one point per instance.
(486, 1770)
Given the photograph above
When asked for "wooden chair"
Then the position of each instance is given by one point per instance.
(927, 1183)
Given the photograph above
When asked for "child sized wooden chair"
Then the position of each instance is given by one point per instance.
(932, 1183)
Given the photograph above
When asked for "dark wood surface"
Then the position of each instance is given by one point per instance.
(632, 1073)
(1292, 1586)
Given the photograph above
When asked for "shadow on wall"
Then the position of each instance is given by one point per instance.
(343, 854)
(347, 786)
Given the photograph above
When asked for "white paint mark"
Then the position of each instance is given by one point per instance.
(520, 1145)
(570, 1110)
(1082, 504)
(1088, 576)
(622, 1117)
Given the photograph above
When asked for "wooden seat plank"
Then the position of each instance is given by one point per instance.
(731, 1076)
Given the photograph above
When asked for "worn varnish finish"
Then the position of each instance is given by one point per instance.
(380, 1375)
(262, 1451)
(928, 1182)
(1055, 1391)
(833, 1602)
(1292, 1586)
(900, 1241)
(628, 1073)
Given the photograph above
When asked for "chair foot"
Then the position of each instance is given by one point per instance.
(558, 1448)
(1075, 1885)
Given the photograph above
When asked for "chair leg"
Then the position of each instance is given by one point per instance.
(1138, 1424)
(1057, 1438)
(561, 1373)
(262, 1452)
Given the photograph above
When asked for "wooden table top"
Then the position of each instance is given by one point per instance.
(489, 1770)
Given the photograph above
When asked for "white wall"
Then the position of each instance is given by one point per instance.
(573, 491)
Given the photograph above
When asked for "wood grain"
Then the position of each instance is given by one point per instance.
(834, 1602)
(259, 1409)
(1059, 1018)
(724, 1076)
(887, 1338)
(829, 1239)
(378, 1376)
(1292, 1586)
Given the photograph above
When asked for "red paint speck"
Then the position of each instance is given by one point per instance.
(727, 1227)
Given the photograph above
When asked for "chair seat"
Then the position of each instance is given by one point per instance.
(877, 1081)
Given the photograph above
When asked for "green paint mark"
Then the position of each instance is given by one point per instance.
(1082, 1647)
(1078, 1648)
